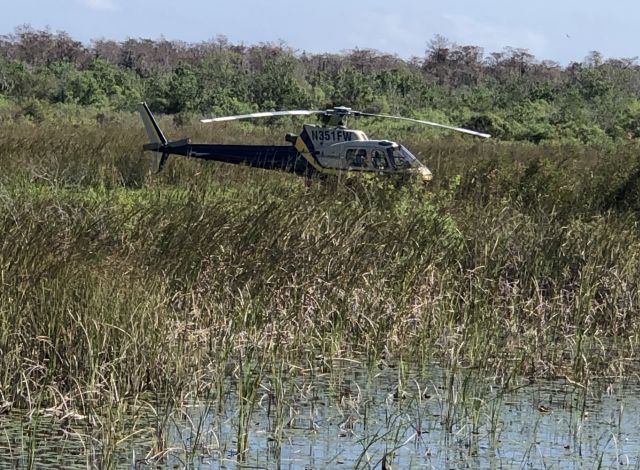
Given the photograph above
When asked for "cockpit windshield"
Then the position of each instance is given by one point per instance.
(402, 158)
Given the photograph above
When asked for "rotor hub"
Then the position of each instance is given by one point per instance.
(336, 116)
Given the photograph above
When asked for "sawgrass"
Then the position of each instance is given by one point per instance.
(519, 261)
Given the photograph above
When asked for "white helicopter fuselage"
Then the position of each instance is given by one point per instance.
(337, 149)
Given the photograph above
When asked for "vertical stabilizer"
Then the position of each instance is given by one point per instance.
(153, 129)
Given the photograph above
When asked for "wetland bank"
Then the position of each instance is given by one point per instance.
(212, 314)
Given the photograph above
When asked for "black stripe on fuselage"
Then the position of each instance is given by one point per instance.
(309, 143)
(271, 157)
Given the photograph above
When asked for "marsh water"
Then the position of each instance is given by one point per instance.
(388, 416)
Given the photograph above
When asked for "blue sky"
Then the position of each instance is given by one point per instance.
(560, 30)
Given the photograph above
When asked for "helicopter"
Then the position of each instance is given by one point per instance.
(326, 149)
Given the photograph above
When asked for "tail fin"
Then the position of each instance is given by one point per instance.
(157, 141)
(153, 129)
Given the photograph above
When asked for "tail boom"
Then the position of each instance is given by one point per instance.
(270, 157)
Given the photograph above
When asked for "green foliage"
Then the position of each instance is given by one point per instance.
(277, 87)
(183, 90)
(224, 85)
(14, 78)
(121, 88)
(507, 94)
(34, 110)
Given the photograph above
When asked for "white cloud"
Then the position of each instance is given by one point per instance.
(465, 30)
(100, 5)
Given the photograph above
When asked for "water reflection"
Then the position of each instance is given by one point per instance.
(353, 417)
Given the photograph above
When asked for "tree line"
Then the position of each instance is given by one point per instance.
(510, 94)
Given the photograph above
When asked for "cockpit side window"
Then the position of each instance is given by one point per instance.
(396, 159)
(357, 158)
(379, 160)
(399, 160)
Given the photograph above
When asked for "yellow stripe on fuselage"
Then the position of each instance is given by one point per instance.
(304, 151)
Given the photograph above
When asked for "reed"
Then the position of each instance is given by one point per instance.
(520, 261)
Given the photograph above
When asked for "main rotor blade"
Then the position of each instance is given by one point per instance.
(298, 112)
(420, 121)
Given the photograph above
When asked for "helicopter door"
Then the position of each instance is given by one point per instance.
(402, 158)
(379, 160)
(357, 158)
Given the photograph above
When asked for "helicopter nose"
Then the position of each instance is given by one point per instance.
(425, 175)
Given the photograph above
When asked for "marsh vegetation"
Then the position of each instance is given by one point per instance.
(218, 316)
(125, 297)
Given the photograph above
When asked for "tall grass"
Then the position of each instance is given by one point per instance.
(519, 260)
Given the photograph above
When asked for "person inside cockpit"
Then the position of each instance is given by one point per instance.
(360, 158)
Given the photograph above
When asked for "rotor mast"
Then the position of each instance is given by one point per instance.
(336, 117)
